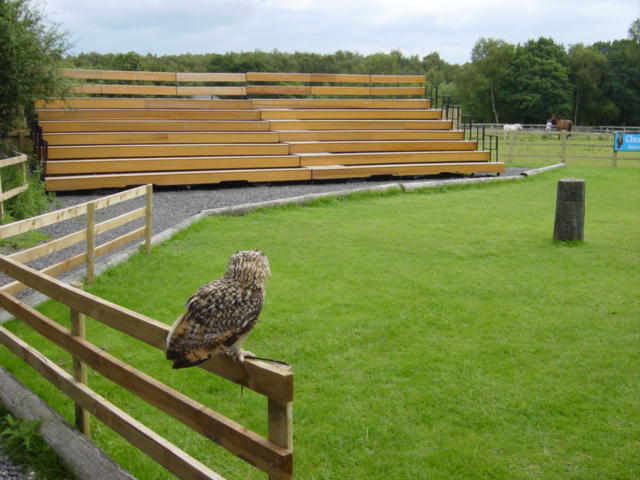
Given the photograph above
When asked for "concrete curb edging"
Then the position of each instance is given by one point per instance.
(75, 450)
(536, 171)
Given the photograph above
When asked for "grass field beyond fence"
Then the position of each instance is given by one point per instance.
(436, 335)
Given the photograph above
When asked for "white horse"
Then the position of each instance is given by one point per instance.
(510, 128)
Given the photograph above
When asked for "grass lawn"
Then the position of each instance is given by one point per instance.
(434, 335)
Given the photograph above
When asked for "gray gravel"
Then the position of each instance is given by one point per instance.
(10, 471)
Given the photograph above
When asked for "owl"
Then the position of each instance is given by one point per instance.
(221, 314)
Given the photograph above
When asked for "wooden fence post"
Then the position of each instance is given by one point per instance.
(78, 328)
(1, 202)
(281, 428)
(512, 144)
(563, 146)
(614, 159)
(569, 221)
(148, 219)
(91, 241)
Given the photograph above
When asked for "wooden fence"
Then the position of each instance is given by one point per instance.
(563, 146)
(87, 234)
(272, 455)
(4, 196)
(105, 82)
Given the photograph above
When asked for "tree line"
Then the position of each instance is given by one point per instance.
(595, 84)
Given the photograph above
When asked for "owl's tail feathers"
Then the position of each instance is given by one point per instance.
(185, 359)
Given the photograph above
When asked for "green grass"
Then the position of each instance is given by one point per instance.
(433, 335)
(20, 440)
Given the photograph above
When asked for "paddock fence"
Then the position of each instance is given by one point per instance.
(23, 186)
(87, 234)
(272, 455)
(563, 147)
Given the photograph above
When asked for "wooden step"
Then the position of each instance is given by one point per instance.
(379, 146)
(136, 138)
(344, 135)
(353, 114)
(314, 103)
(280, 125)
(198, 177)
(141, 114)
(144, 103)
(114, 165)
(318, 159)
(166, 150)
(154, 126)
(405, 169)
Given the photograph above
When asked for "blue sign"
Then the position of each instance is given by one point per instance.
(626, 142)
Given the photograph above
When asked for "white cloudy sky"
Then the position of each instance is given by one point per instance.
(450, 27)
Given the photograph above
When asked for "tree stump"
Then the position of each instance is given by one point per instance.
(569, 222)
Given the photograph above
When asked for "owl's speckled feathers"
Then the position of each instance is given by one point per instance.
(221, 314)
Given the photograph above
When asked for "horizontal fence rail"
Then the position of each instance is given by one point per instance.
(7, 162)
(87, 234)
(272, 455)
(244, 84)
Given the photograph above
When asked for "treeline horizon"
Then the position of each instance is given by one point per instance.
(595, 84)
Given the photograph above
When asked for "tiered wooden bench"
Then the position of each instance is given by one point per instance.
(97, 142)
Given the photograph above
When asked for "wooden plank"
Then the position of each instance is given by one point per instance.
(68, 167)
(50, 218)
(313, 103)
(340, 90)
(278, 77)
(349, 114)
(150, 114)
(211, 77)
(7, 162)
(119, 75)
(242, 442)
(280, 422)
(141, 103)
(390, 91)
(13, 192)
(344, 135)
(286, 125)
(199, 177)
(409, 169)
(372, 158)
(149, 442)
(272, 381)
(338, 78)
(235, 91)
(25, 256)
(380, 146)
(278, 90)
(136, 138)
(104, 89)
(159, 150)
(66, 126)
(399, 79)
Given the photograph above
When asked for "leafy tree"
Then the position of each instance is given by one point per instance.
(492, 59)
(587, 69)
(538, 82)
(30, 57)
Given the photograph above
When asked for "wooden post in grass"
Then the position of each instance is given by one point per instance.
(569, 222)
(91, 241)
(563, 146)
(148, 215)
(78, 328)
(280, 428)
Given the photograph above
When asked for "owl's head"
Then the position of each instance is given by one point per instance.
(249, 267)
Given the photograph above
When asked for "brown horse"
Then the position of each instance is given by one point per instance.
(563, 124)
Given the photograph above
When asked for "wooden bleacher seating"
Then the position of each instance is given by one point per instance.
(130, 139)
